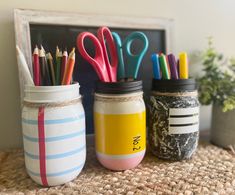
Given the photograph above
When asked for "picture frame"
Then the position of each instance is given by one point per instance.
(24, 17)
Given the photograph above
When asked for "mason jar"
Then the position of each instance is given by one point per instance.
(120, 124)
(53, 124)
(173, 119)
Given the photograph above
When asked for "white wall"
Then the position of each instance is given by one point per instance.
(194, 21)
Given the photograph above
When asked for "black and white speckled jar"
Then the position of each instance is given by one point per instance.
(174, 119)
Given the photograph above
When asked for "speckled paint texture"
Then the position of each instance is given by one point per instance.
(173, 141)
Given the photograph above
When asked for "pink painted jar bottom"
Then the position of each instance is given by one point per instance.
(120, 162)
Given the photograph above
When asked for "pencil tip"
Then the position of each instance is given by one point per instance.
(17, 49)
(65, 53)
(49, 56)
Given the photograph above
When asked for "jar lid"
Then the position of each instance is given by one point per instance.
(179, 85)
(119, 87)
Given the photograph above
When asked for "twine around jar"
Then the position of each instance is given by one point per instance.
(120, 98)
(175, 94)
(51, 104)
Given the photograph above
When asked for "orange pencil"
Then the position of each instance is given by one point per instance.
(68, 73)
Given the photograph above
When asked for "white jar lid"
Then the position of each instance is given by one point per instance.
(58, 93)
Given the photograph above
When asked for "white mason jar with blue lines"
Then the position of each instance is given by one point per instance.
(54, 135)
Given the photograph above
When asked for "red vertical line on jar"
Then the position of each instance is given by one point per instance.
(42, 146)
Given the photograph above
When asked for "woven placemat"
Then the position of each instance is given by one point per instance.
(210, 171)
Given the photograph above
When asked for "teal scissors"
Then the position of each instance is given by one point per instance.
(133, 60)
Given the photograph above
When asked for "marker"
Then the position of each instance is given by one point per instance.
(173, 66)
(168, 67)
(178, 67)
(163, 65)
(183, 65)
(156, 66)
(23, 67)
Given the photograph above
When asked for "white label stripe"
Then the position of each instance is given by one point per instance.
(184, 129)
(183, 111)
(186, 120)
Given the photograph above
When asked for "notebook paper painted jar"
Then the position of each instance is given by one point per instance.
(120, 124)
(174, 119)
(53, 133)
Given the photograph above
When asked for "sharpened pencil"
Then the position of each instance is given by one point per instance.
(45, 75)
(51, 68)
(36, 67)
(63, 64)
(69, 68)
(58, 65)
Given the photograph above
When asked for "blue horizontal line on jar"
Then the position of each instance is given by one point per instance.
(53, 121)
(56, 138)
(56, 156)
(78, 168)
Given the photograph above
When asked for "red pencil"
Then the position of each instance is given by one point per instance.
(68, 73)
(36, 67)
(63, 64)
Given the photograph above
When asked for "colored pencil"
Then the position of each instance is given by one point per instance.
(69, 68)
(23, 67)
(45, 75)
(58, 65)
(36, 67)
(51, 67)
(63, 64)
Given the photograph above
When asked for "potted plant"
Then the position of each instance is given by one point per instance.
(217, 87)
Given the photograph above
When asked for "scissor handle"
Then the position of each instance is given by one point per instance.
(105, 36)
(98, 61)
(121, 67)
(133, 61)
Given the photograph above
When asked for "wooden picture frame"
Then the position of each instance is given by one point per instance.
(23, 18)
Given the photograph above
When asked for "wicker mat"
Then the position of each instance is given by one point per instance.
(210, 171)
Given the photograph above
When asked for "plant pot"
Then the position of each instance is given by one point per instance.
(223, 127)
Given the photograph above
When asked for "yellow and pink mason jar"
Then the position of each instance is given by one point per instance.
(120, 124)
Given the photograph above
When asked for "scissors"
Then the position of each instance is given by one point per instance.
(133, 61)
(106, 70)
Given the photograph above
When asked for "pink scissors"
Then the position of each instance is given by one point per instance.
(106, 70)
